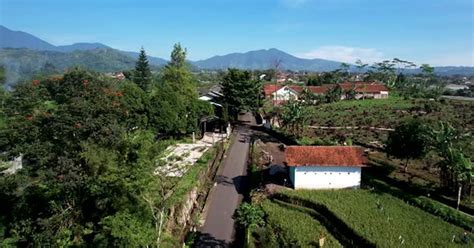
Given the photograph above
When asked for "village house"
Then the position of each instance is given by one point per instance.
(325, 167)
(116, 75)
(282, 93)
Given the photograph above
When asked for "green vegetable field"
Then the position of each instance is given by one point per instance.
(294, 227)
(382, 219)
(384, 113)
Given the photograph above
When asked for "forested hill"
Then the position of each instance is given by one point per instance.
(265, 59)
(24, 63)
(24, 55)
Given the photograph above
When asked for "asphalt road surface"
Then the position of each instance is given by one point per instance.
(218, 229)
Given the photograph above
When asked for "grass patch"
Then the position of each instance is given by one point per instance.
(286, 227)
(445, 212)
(382, 219)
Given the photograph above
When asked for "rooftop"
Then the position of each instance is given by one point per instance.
(351, 156)
(359, 87)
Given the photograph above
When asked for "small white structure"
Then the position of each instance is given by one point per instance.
(325, 167)
(14, 165)
(455, 87)
(285, 93)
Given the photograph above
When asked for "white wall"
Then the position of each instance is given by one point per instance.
(285, 94)
(325, 177)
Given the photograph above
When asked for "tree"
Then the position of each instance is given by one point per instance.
(294, 116)
(136, 102)
(3, 75)
(351, 94)
(178, 56)
(460, 166)
(241, 92)
(334, 94)
(314, 80)
(410, 140)
(308, 97)
(360, 66)
(250, 217)
(88, 165)
(383, 71)
(427, 70)
(456, 168)
(142, 73)
(344, 71)
(332, 77)
(174, 105)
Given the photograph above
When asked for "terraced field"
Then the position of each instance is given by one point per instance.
(365, 218)
(292, 227)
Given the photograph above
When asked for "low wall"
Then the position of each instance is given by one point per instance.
(181, 216)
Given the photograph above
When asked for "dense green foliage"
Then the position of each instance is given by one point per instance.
(249, 217)
(3, 75)
(241, 92)
(286, 227)
(90, 152)
(383, 219)
(142, 73)
(22, 64)
(175, 98)
(410, 140)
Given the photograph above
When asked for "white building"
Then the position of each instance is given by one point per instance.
(285, 93)
(325, 167)
(280, 94)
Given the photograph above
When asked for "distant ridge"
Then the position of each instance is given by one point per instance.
(265, 59)
(18, 39)
(26, 54)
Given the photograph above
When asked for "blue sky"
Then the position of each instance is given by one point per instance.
(439, 32)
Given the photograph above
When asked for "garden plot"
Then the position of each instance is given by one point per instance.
(178, 158)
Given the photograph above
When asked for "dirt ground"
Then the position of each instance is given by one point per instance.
(420, 173)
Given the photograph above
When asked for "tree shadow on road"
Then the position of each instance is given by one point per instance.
(206, 240)
(241, 184)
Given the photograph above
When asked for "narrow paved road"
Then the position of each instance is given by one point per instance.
(218, 229)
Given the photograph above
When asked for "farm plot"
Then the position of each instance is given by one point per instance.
(361, 115)
(384, 220)
(293, 228)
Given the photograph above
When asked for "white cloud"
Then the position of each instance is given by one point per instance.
(345, 54)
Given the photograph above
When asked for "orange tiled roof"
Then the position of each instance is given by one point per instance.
(268, 89)
(351, 156)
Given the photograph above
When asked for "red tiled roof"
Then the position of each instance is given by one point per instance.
(268, 89)
(351, 156)
(367, 87)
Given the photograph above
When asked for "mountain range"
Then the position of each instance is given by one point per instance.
(25, 54)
